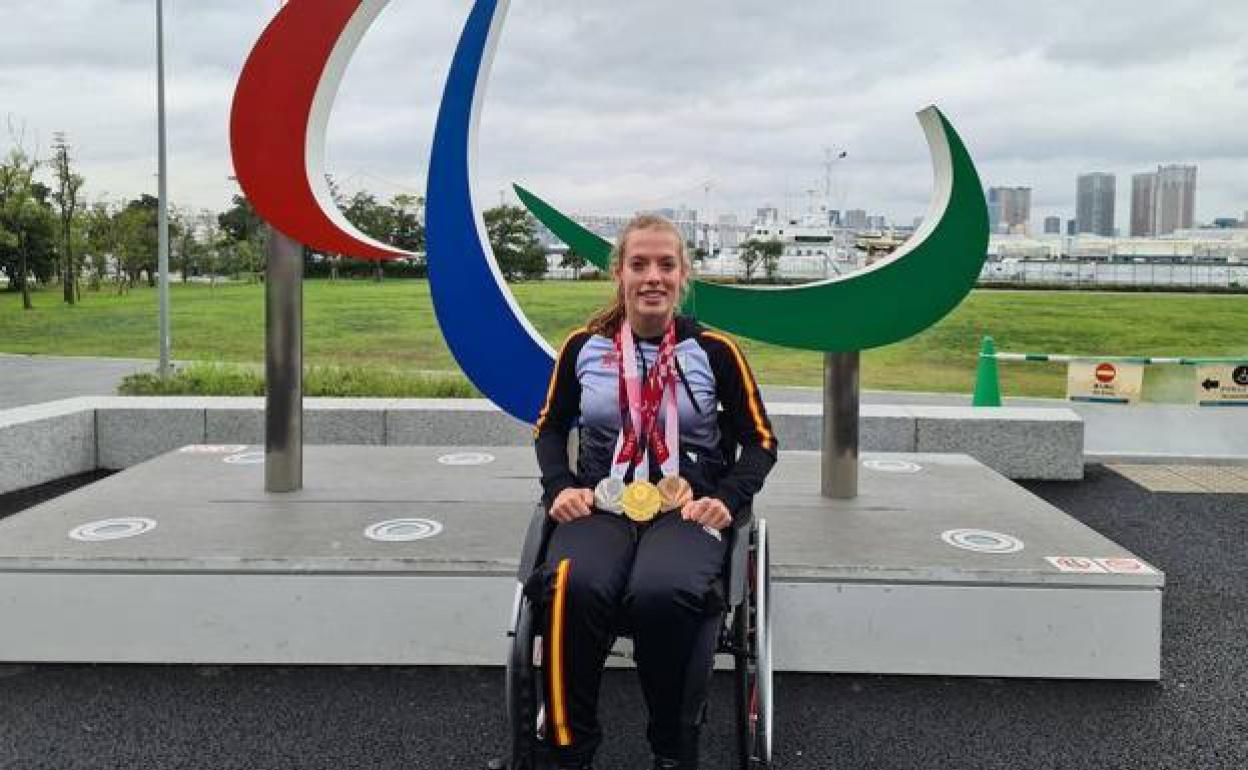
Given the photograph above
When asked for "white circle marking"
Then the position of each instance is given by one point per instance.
(403, 530)
(112, 529)
(892, 466)
(467, 458)
(982, 541)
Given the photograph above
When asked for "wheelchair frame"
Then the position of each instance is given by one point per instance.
(745, 633)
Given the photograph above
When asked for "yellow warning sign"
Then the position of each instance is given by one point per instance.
(1105, 382)
(1222, 385)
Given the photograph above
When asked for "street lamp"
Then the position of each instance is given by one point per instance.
(162, 223)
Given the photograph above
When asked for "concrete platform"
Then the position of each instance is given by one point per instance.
(224, 573)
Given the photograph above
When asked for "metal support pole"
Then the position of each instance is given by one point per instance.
(162, 225)
(839, 478)
(283, 367)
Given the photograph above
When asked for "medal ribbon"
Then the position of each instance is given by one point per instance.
(640, 403)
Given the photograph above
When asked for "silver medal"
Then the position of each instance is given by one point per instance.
(608, 493)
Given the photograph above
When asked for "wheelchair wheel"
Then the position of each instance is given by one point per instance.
(752, 641)
(525, 705)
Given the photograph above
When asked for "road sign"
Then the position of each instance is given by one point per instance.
(1104, 382)
(1222, 385)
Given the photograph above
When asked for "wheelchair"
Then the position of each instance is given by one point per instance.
(745, 634)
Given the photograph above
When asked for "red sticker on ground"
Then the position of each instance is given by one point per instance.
(1075, 564)
(1126, 566)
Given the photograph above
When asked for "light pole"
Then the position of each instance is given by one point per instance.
(162, 224)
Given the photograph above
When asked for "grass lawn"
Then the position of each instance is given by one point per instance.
(391, 325)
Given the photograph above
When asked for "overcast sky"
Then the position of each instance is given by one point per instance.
(607, 106)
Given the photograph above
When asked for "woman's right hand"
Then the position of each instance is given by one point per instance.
(571, 504)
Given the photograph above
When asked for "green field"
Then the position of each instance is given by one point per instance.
(391, 325)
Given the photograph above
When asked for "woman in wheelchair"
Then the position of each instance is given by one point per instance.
(639, 547)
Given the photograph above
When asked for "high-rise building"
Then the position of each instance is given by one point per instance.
(1072, 227)
(767, 215)
(1052, 225)
(1144, 204)
(1176, 198)
(729, 231)
(1009, 209)
(1094, 203)
(877, 222)
(856, 219)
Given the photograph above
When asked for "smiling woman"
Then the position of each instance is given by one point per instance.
(651, 283)
(640, 520)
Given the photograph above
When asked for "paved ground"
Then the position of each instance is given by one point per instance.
(35, 379)
(69, 717)
(1171, 430)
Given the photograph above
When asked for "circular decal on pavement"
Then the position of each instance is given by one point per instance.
(892, 466)
(111, 529)
(982, 541)
(213, 449)
(1240, 375)
(402, 530)
(466, 458)
(246, 458)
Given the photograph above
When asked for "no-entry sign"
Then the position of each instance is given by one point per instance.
(1104, 381)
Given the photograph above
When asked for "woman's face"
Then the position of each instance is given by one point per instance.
(651, 273)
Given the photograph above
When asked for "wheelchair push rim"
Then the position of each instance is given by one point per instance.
(763, 680)
(752, 640)
(525, 702)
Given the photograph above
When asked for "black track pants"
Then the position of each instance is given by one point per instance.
(661, 583)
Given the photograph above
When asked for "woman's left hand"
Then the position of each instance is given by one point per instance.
(707, 511)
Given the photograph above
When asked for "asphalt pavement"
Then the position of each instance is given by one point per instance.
(71, 717)
(36, 379)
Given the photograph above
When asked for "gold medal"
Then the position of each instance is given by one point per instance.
(608, 493)
(641, 501)
(675, 491)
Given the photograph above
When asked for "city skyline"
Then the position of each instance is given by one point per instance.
(749, 100)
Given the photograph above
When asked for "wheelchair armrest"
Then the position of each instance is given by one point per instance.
(739, 558)
(535, 539)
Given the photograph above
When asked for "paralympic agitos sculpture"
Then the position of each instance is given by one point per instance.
(277, 130)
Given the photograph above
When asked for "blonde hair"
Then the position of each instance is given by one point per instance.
(606, 322)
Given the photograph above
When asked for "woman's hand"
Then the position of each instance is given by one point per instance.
(571, 504)
(707, 511)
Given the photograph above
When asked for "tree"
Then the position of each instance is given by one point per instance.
(409, 231)
(215, 242)
(183, 243)
(514, 240)
(26, 224)
(138, 238)
(66, 197)
(101, 240)
(135, 233)
(575, 261)
(765, 254)
(241, 222)
(372, 218)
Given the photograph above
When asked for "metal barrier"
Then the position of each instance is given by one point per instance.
(1223, 380)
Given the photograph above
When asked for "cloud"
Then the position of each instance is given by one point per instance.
(609, 107)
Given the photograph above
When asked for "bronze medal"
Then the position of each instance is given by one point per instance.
(641, 501)
(675, 491)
